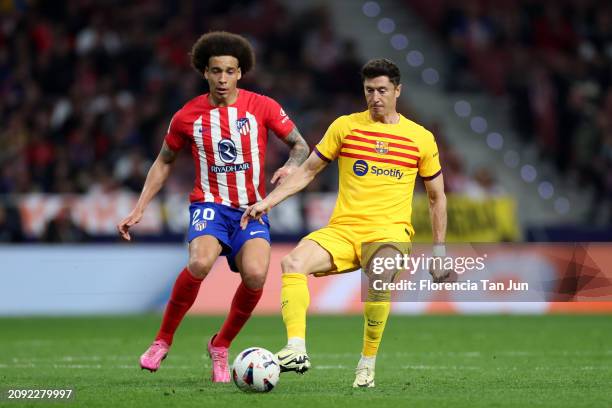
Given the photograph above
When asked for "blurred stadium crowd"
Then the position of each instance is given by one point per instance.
(87, 88)
(554, 61)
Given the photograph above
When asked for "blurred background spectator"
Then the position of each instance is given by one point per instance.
(62, 229)
(10, 223)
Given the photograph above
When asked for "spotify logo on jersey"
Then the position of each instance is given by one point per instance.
(360, 168)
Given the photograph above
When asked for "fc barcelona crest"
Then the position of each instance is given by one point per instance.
(381, 147)
(243, 126)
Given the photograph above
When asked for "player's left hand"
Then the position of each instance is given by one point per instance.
(281, 174)
(254, 212)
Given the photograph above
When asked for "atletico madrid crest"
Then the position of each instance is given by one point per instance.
(381, 147)
(243, 126)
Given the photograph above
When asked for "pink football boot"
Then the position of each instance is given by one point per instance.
(220, 369)
(152, 358)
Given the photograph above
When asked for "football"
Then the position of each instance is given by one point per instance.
(255, 370)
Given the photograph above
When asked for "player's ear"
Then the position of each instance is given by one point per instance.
(205, 73)
(398, 90)
(239, 76)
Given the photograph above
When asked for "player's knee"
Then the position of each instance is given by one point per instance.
(254, 278)
(292, 263)
(378, 295)
(200, 266)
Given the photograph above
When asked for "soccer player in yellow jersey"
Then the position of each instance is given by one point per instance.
(379, 153)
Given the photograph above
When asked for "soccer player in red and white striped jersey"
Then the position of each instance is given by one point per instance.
(226, 131)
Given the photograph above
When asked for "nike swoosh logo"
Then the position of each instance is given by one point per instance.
(256, 232)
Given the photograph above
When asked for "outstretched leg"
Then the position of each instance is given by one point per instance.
(307, 258)
(203, 251)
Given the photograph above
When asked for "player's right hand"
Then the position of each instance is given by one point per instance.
(254, 212)
(442, 275)
(125, 224)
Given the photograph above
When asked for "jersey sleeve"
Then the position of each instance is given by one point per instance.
(176, 137)
(331, 143)
(277, 119)
(429, 162)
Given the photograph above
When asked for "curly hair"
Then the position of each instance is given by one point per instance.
(218, 43)
(381, 67)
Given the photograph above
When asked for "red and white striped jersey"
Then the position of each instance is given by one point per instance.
(228, 145)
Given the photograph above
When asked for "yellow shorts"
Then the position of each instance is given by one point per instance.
(344, 243)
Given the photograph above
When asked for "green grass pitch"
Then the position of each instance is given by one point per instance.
(425, 361)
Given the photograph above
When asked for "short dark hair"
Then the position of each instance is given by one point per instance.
(381, 67)
(218, 43)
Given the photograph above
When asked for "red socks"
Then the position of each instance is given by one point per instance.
(184, 293)
(243, 304)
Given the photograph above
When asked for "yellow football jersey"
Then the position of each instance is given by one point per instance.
(378, 164)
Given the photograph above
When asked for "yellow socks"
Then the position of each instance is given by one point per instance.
(294, 303)
(375, 313)
(295, 299)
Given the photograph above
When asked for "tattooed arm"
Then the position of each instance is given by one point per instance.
(157, 176)
(297, 155)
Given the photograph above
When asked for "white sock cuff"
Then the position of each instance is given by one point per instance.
(369, 361)
(297, 343)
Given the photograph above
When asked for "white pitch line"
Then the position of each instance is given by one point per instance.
(47, 342)
(315, 367)
(330, 367)
(476, 354)
(25, 362)
(434, 367)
